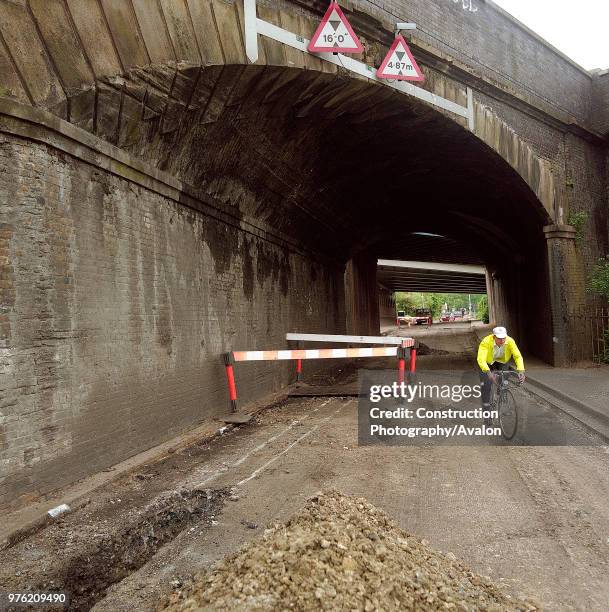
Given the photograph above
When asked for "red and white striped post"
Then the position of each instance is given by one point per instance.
(413, 363)
(401, 364)
(230, 377)
(299, 364)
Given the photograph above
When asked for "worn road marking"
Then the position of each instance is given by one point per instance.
(289, 447)
(247, 455)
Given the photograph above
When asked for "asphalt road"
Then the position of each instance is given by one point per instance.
(535, 519)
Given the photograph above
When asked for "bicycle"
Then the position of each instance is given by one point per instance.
(504, 403)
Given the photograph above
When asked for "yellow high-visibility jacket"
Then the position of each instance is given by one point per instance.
(485, 353)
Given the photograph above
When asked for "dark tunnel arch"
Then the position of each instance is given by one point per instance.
(342, 166)
(259, 135)
(345, 167)
(339, 166)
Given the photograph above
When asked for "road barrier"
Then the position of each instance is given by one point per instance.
(325, 353)
(396, 340)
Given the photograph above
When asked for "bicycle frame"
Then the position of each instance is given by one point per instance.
(499, 398)
(502, 384)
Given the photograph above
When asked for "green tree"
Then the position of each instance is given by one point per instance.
(410, 301)
(483, 309)
(578, 221)
(435, 304)
(405, 301)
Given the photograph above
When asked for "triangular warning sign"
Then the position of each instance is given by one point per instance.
(335, 34)
(399, 63)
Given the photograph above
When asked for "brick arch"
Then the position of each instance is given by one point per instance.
(117, 68)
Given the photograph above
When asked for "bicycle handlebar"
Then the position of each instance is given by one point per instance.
(506, 372)
(501, 374)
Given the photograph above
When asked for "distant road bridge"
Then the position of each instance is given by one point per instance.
(431, 276)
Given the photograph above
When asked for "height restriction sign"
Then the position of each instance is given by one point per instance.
(399, 63)
(335, 34)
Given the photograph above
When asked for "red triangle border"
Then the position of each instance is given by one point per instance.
(379, 73)
(317, 49)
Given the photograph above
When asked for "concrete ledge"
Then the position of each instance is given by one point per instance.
(591, 418)
(568, 398)
(567, 232)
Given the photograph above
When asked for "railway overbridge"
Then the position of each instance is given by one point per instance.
(165, 199)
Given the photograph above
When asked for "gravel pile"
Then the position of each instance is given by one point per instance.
(342, 553)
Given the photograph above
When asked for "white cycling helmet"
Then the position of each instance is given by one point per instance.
(500, 332)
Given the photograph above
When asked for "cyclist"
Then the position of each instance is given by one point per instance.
(494, 353)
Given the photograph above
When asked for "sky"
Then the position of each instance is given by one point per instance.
(578, 28)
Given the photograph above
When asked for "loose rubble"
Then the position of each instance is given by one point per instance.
(341, 553)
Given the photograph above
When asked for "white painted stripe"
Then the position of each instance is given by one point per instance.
(471, 117)
(290, 447)
(311, 354)
(255, 355)
(247, 455)
(339, 352)
(284, 355)
(365, 352)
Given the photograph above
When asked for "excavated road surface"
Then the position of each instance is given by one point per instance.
(533, 519)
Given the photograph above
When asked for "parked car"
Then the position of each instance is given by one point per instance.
(422, 316)
(447, 317)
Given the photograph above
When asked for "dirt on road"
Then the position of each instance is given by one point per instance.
(532, 518)
(342, 553)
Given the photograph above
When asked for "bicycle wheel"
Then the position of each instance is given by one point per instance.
(508, 414)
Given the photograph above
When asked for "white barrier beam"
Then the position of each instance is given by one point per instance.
(349, 339)
(331, 353)
(433, 265)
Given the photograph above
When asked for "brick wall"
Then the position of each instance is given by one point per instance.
(116, 304)
(600, 109)
(361, 295)
(386, 306)
(578, 167)
(495, 46)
